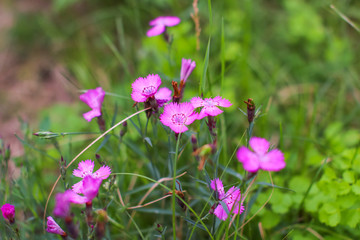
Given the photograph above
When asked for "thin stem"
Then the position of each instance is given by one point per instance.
(174, 186)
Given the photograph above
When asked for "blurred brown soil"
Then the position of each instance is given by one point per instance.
(28, 83)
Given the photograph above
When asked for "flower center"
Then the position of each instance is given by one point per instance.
(178, 119)
(148, 90)
(209, 103)
(86, 173)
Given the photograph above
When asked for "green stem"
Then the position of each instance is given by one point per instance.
(174, 186)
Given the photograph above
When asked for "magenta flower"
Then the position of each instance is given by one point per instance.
(85, 168)
(53, 227)
(231, 199)
(143, 88)
(160, 23)
(210, 106)
(91, 187)
(93, 98)
(177, 116)
(162, 96)
(260, 158)
(187, 66)
(8, 212)
(63, 201)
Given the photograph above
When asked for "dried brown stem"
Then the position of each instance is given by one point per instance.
(195, 17)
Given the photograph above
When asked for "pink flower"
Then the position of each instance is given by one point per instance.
(160, 23)
(260, 158)
(8, 212)
(93, 98)
(177, 116)
(187, 66)
(85, 168)
(162, 96)
(63, 201)
(53, 227)
(91, 187)
(231, 199)
(143, 88)
(210, 105)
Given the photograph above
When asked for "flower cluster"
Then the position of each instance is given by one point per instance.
(176, 115)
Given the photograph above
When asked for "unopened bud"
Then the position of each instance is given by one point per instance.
(159, 228)
(250, 109)
(46, 134)
(7, 153)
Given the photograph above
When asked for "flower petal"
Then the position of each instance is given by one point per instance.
(222, 102)
(138, 97)
(84, 168)
(156, 30)
(212, 111)
(103, 172)
(217, 185)
(273, 161)
(162, 96)
(197, 102)
(259, 145)
(91, 187)
(220, 212)
(78, 187)
(91, 114)
(249, 159)
(178, 128)
(53, 227)
(93, 97)
(170, 21)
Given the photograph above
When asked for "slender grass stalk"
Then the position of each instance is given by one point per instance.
(174, 187)
(170, 190)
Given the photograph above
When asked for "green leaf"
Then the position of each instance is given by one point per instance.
(329, 214)
(349, 176)
(346, 201)
(205, 68)
(194, 223)
(270, 219)
(299, 184)
(356, 187)
(351, 217)
(342, 188)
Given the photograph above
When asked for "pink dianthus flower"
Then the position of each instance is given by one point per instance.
(210, 105)
(178, 116)
(231, 198)
(53, 227)
(160, 23)
(85, 168)
(260, 158)
(93, 98)
(143, 88)
(8, 212)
